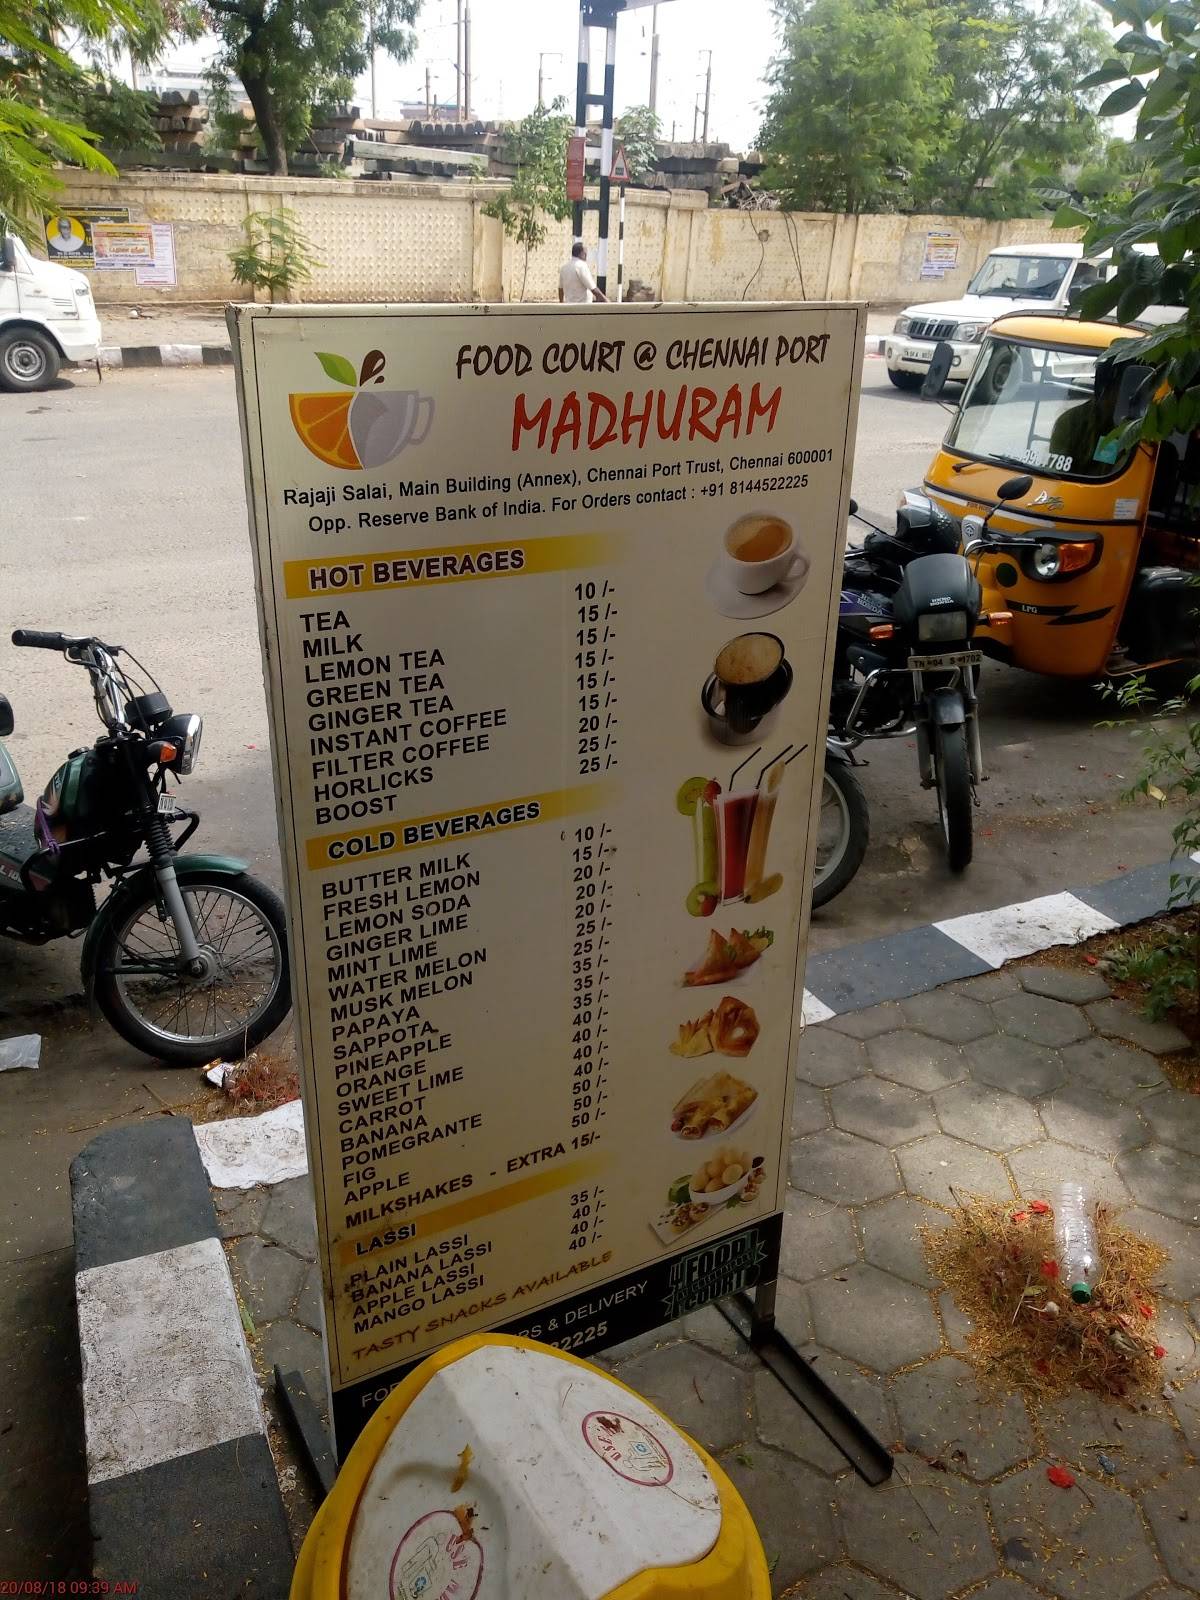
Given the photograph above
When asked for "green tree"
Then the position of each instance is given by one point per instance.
(853, 105)
(292, 55)
(537, 147)
(1012, 114)
(639, 131)
(1155, 234)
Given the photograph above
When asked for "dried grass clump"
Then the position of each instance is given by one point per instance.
(999, 1263)
(261, 1082)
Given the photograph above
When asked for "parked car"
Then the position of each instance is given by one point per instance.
(1016, 277)
(47, 316)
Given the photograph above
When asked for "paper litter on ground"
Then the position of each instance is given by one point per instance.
(22, 1050)
(241, 1152)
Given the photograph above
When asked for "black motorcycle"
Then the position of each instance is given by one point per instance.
(904, 662)
(186, 956)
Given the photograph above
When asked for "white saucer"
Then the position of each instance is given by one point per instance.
(731, 602)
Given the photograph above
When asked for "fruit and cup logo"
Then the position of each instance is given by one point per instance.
(365, 427)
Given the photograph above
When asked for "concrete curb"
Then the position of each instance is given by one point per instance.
(182, 1490)
(873, 344)
(166, 355)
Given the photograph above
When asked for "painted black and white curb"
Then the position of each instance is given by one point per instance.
(165, 355)
(182, 1490)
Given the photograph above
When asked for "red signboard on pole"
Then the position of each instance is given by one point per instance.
(575, 165)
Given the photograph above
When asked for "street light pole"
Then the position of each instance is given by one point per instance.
(707, 91)
(467, 65)
(654, 59)
(542, 54)
(458, 64)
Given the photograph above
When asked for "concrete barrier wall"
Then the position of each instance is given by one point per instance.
(432, 242)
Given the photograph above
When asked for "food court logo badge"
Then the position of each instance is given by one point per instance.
(361, 425)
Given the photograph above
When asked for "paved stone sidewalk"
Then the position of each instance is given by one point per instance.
(1002, 1085)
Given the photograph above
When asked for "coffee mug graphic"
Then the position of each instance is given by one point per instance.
(383, 422)
(361, 425)
(760, 550)
(750, 676)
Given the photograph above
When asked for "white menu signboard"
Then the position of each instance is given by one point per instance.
(546, 600)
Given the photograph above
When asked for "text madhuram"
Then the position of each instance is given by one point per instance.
(689, 412)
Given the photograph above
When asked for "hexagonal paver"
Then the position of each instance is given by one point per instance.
(1142, 1445)
(809, 1112)
(1076, 985)
(1163, 1180)
(988, 986)
(840, 1166)
(948, 1016)
(1043, 1168)
(1114, 1069)
(1174, 1118)
(867, 1023)
(1015, 1065)
(982, 1114)
(787, 1426)
(289, 1218)
(1041, 1021)
(1121, 1021)
(239, 1211)
(892, 1238)
(1008, 1589)
(836, 1583)
(295, 1349)
(268, 1278)
(1180, 1274)
(817, 1238)
(706, 1396)
(924, 1530)
(709, 1328)
(886, 1112)
(933, 1167)
(308, 1302)
(1177, 1336)
(874, 1318)
(945, 1417)
(1078, 1114)
(955, 1321)
(790, 1506)
(1172, 1513)
(1184, 1401)
(824, 1057)
(916, 1060)
(1072, 1543)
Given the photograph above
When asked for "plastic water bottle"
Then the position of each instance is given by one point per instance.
(1075, 1235)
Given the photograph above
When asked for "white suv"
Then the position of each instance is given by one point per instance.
(1016, 277)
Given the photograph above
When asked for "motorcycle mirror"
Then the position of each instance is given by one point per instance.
(6, 717)
(1133, 391)
(854, 508)
(1015, 488)
(8, 253)
(939, 371)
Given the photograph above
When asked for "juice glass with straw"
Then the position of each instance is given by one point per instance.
(760, 828)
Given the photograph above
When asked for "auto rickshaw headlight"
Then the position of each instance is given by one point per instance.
(1046, 561)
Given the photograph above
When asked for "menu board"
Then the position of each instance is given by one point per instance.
(546, 599)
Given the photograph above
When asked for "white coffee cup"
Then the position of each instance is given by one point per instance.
(760, 551)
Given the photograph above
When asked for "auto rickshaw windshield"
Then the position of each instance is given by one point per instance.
(1051, 410)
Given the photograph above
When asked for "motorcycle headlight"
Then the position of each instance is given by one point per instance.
(940, 627)
(902, 324)
(970, 332)
(183, 731)
(1046, 561)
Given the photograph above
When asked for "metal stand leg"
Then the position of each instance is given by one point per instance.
(755, 1321)
(307, 1428)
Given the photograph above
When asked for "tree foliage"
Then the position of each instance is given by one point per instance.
(946, 105)
(292, 55)
(639, 131)
(537, 147)
(1155, 234)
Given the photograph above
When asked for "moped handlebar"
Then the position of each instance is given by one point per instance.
(36, 639)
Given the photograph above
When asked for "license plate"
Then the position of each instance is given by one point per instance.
(960, 658)
(916, 355)
(166, 805)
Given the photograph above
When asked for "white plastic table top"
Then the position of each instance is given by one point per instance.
(574, 1486)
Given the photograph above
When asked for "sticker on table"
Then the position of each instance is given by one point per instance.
(436, 1559)
(629, 1449)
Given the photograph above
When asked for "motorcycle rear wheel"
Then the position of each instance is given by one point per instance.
(242, 930)
(952, 771)
(844, 831)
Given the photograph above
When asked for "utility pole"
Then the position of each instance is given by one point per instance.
(654, 59)
(458, 64)
(707, 91)
(467, 64)
(371, 39)
(542, 54)
(428, 97)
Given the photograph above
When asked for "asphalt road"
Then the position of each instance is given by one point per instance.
(125, 517)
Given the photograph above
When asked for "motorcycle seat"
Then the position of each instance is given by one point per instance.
(18, 841)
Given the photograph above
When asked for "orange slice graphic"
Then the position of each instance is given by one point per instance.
(323, 423)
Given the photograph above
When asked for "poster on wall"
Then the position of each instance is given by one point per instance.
(119, 245)
(545, 601)
(69, 232)
(941, 254)
(160, 272)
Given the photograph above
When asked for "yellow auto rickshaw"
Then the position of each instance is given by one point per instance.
(1087, 553)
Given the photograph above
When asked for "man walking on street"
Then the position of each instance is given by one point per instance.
(576, 286)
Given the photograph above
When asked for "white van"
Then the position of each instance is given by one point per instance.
(1016, 277)
(47, 316)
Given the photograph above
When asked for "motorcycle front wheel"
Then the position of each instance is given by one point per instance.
(952, 771)
(244, 994)
(843, 832)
